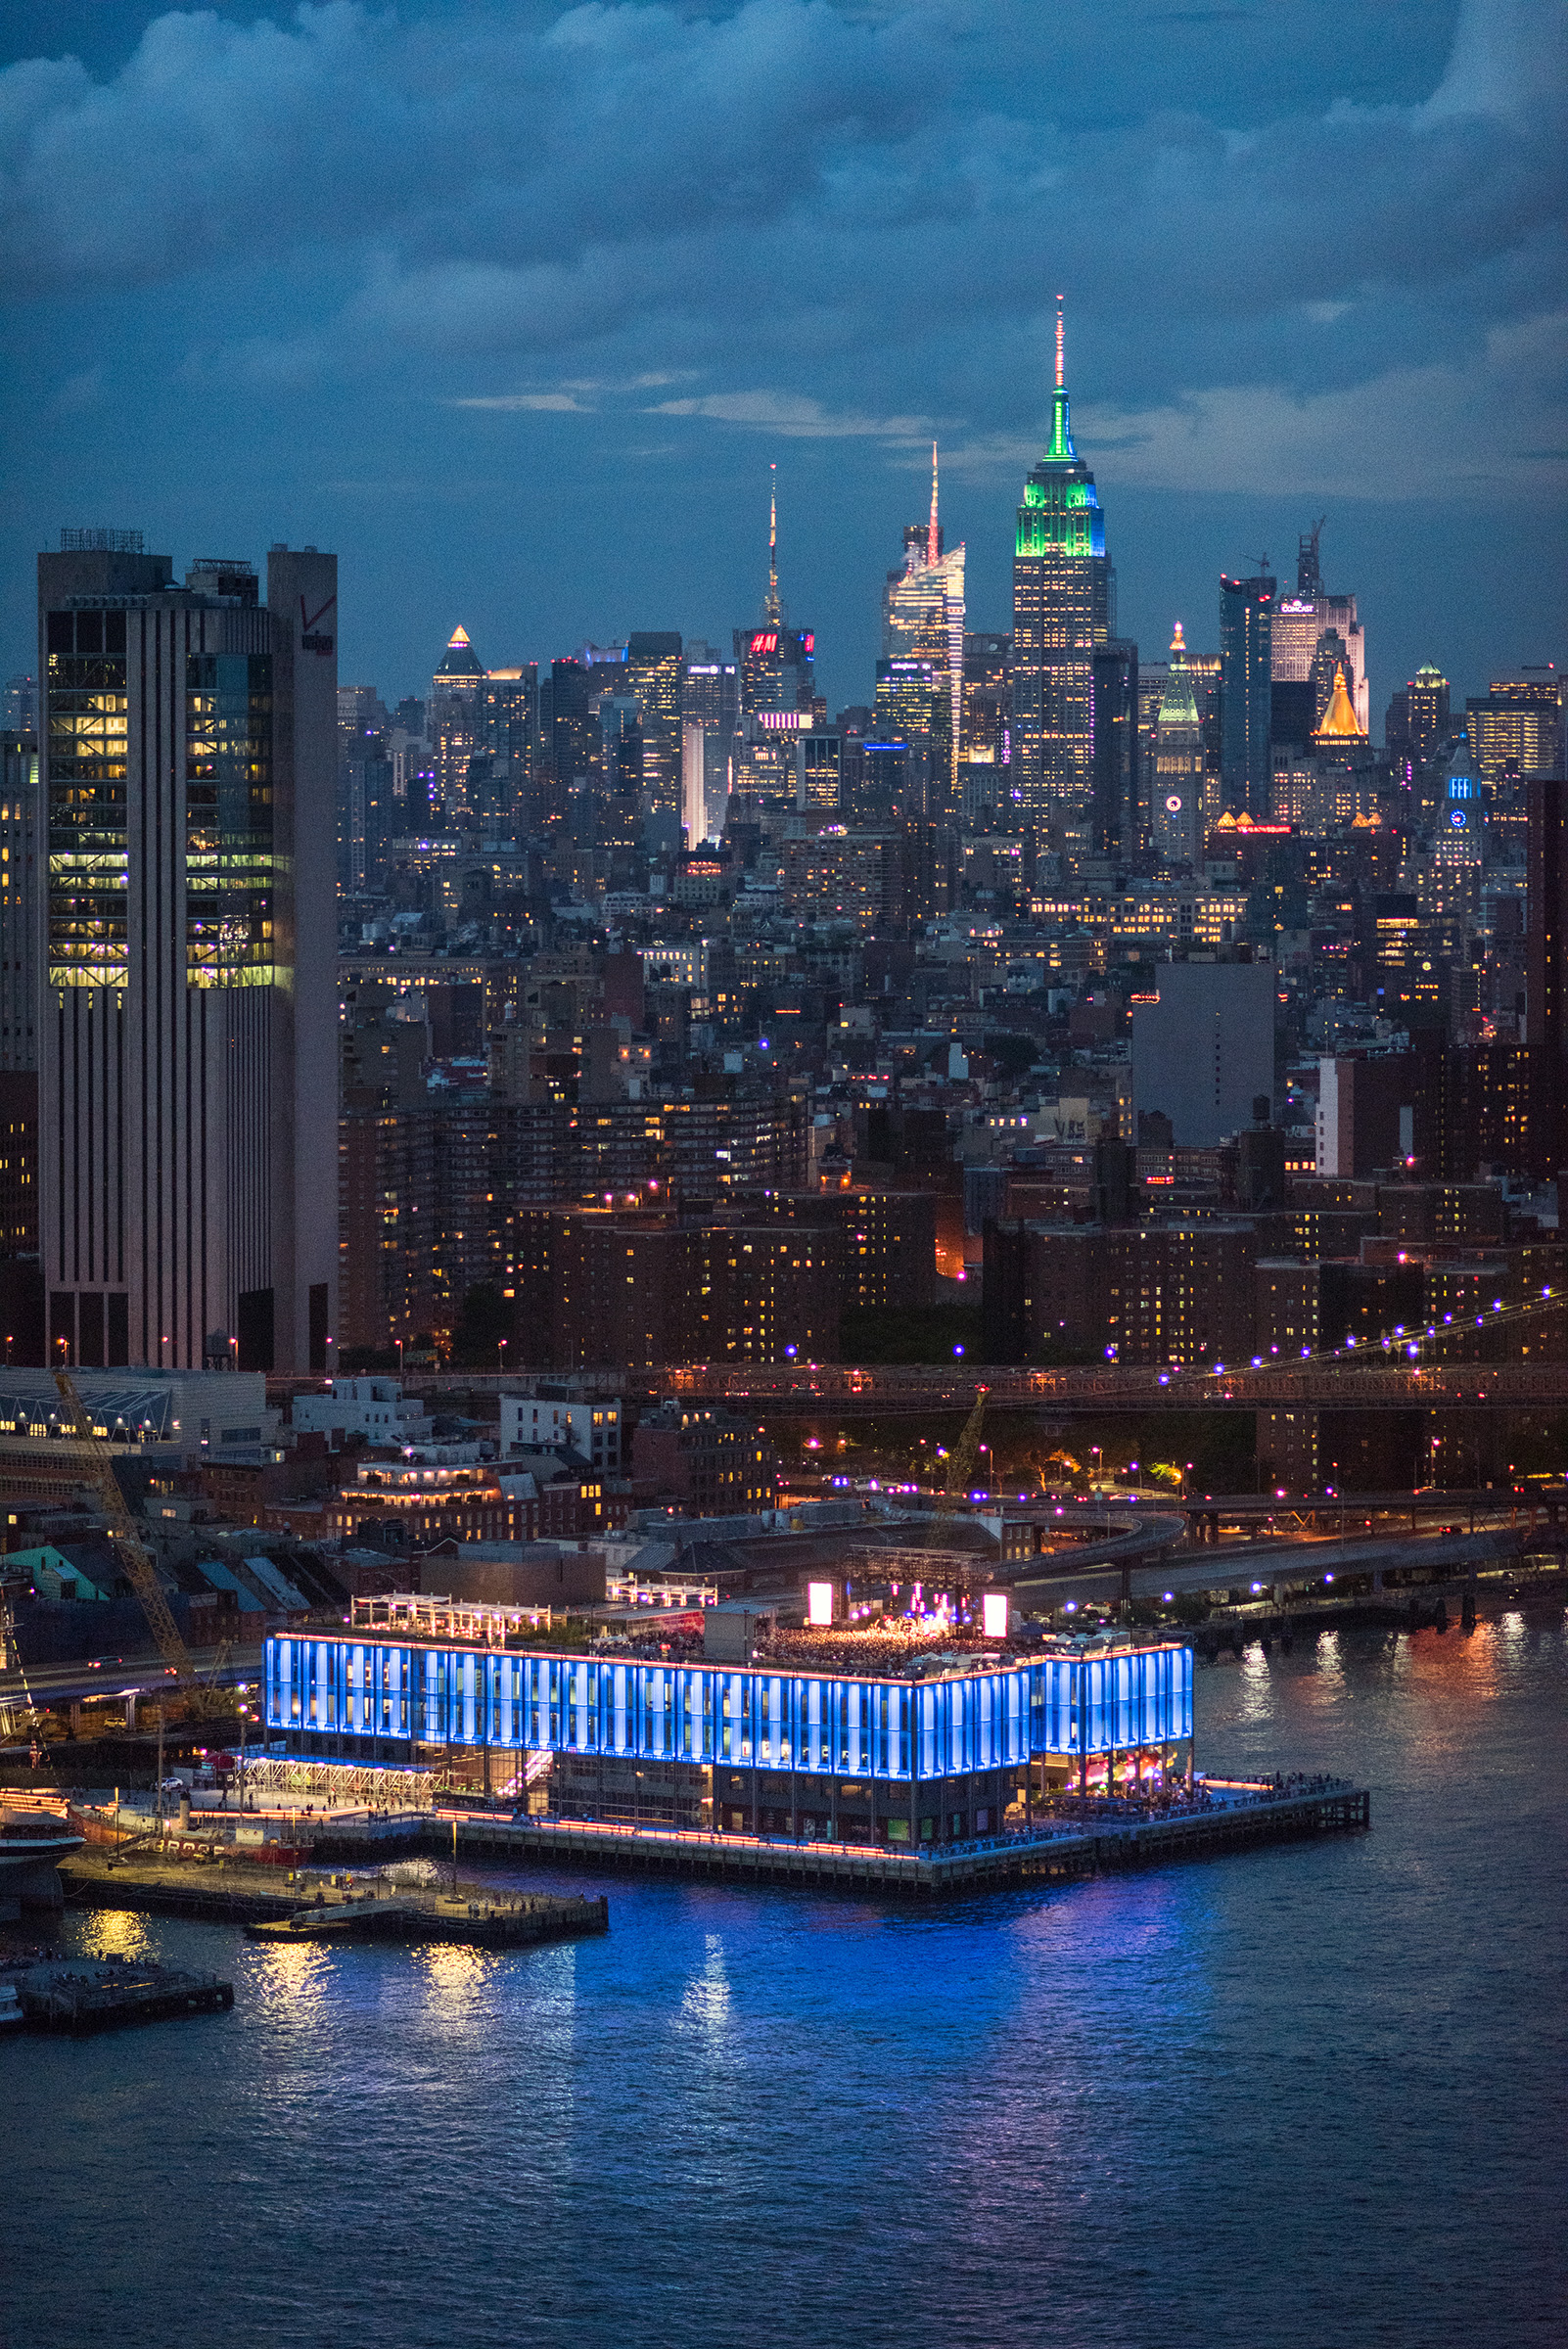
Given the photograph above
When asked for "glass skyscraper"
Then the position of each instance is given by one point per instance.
(456, 720)
(1061, 615)
(653, 675)
(1246, 643)
(923, 630)
(777, 687)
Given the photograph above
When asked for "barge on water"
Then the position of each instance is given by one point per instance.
(81, 1995)
(274, 1905)
(493, 1922)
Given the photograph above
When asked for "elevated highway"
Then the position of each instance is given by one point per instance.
(1269, 1569)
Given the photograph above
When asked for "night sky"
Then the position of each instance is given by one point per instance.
(512, 305)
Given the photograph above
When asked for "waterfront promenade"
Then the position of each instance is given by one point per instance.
(1078, 1836)
(1110, 1836)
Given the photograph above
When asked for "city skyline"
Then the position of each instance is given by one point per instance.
(783, 1116)
(467, 421)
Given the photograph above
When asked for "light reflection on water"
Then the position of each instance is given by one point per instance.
(1264, 2101)
(705, 2007)
(112, 1933)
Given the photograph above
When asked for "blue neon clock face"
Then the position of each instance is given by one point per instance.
(1456, 818)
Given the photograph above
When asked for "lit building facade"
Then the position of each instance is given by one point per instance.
(818, 772)
(985, 728)
(709, 704)
(1177, 791)
(1061, 614)
(188, 1080)
(1119, 818)
(850, 1758)
(777, 686)
(1461, 816)
(1427, 713)
(653, 675)
(1302, 619)
(1516, 729)
(1547, 979)
(19, 901)
(1246, 639)
(456, 720)
(923, 642)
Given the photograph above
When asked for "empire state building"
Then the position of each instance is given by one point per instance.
(1061, 614)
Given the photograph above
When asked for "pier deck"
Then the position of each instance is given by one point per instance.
(85, 1995)
(313, 1907)
(1241, 1818)
(483, 1922)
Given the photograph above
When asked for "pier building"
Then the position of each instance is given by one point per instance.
(944, 1752)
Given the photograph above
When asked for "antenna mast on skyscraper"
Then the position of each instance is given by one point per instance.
(1308, 573)
(1061, 364)
(933, 534)
(772, 548)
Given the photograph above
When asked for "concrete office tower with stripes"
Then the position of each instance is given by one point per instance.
(188, 1089)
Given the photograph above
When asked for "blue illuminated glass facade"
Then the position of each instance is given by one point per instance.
(348, 1690)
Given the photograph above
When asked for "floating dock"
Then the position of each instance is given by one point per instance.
(485, 1922)
(85, 1995)
(275, 1905)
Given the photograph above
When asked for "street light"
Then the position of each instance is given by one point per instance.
(501, 1357)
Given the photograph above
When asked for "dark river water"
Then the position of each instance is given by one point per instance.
(1312, 2095)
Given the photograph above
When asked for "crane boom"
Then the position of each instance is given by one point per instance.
(134, 1555)
(962, 1461)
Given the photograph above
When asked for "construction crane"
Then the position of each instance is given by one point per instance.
(961, 1463)
(135, 1556)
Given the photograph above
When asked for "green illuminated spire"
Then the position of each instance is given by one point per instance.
(1061, 439)
(1060, 512)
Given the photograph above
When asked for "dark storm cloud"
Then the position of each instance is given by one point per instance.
(488, 140)
(506, 144)
(1307, 252)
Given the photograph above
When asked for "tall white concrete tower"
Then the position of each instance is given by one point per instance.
(188, 1090)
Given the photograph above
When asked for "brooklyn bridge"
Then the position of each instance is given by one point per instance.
(1451, 1364)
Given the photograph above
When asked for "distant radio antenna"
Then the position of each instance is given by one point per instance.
(1308, 573)
(772, 547)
